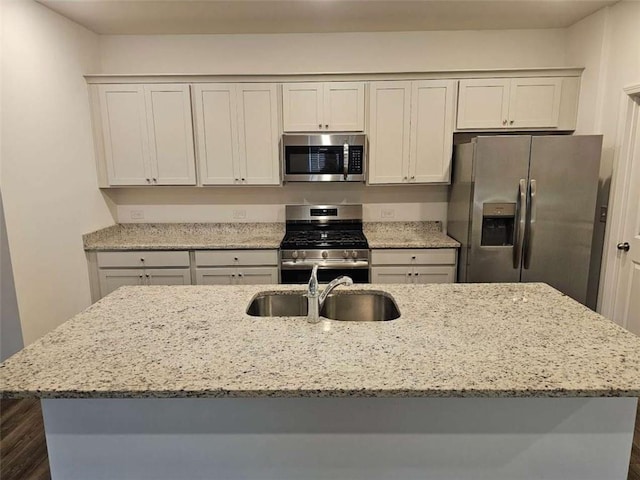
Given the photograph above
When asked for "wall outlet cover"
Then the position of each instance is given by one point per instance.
(239, 214)
(137, 215)
(387, 213)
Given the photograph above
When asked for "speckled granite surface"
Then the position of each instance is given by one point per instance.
(185, 236)
(407, 235)
(461, 340)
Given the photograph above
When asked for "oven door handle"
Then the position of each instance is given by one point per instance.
(304, 265)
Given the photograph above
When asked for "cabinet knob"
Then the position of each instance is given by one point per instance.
(242, 179)
(233, 274)
(511, 122)
(239, 274)
(413, 257)
(319, 125)
(155, 180)
(409, 274)
(413, 177)
(504, 122)
(148, 180)
(147, 275)
(405, 178)
(326, 125)
(416, 274)
(142, 259)
(235, 258)
(237, 179)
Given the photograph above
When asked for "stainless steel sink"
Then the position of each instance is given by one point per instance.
(360, 306)
(278, 304)
(350, 305)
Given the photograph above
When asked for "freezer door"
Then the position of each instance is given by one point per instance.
(501, 167)
(563, 188)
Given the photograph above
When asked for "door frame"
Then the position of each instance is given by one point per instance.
(628, 140)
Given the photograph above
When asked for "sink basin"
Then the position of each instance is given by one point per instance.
(360, 306)
(278, 304)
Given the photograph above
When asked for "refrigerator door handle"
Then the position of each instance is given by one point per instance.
(528, 242)
(521, 215)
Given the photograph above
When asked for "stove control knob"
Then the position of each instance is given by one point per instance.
(354, 254)
(325, 254)
(294, 255)
(345, 254)
(304, 254)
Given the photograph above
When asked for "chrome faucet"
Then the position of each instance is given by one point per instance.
(315, 300)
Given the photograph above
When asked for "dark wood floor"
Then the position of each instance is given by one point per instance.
(23, 451)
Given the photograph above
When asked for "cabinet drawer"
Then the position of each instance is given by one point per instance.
(216, 258)
(422, 256)
(143, 259)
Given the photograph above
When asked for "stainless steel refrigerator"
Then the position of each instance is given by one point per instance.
(524, 209)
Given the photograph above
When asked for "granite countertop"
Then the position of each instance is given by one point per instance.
(185, 236)
(202, 236)
(407, 235)
(452, 340)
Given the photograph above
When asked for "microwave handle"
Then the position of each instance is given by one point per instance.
(345, 160)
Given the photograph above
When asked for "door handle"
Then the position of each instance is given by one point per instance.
(623, 246)
(521, 215)
(528, 241)
(345, 160)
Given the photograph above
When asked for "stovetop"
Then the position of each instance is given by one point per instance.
(324, 239)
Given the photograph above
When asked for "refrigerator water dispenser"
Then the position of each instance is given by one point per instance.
(498, 220)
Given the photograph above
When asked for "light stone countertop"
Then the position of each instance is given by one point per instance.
(185, 236)
(407, 235)
(202, 236)
(452, 340)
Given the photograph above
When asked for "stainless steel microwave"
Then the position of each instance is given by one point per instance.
(324, 158)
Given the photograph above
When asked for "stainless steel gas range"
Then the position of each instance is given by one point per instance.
(329, 236)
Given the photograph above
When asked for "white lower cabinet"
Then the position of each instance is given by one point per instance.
(117, 269)
(417, 266)
(236, 267)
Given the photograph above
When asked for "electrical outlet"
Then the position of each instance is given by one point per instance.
(387, 213)
(137, 215)
(240, 214)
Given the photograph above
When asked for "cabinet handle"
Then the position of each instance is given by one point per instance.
(148, 180)
(504, 122)
(155, 180)
(319, 125)
(511, 122)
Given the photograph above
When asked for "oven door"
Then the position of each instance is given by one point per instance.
(300, 274)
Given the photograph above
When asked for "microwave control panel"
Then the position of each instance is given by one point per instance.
(355, 159)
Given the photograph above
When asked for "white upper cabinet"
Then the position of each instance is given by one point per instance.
(124, 129)
(237, 133)
(432, 124)
(147, 134)
(515, 103)
(411, 131)
(328, 107)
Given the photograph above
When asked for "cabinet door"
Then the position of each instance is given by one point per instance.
(258, 134)
(258, 275)
(389, 116)
(483, 103)
(216, 276)
(168, 108)
(217, 133)
(124, 128)
(391, 274)
(434, 274)
(168, 276)
(344, 106)
(535, 102)
(111, 279)
(432, 123)
(302, 107)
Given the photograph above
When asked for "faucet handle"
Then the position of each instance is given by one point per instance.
(313, 282)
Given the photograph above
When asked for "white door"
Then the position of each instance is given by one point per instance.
(434, 274)
(534, 102)
(344, 106)
(111, 279)
(483, 103)
(391, 274)
(258, 134)
(389, 129)
(168, 276)
(432, 123)
(302, 107)
(216, 121)
(627, 288)
(168, 108)
(124, 128)
(258, 276)
(216, 276)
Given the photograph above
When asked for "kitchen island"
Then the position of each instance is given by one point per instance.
(500, 381)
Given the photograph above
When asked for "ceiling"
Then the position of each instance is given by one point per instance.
(114, 17)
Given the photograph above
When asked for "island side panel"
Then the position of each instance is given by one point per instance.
(331, 438)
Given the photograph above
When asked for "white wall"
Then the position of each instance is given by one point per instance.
(332, 52)
(48, 178)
